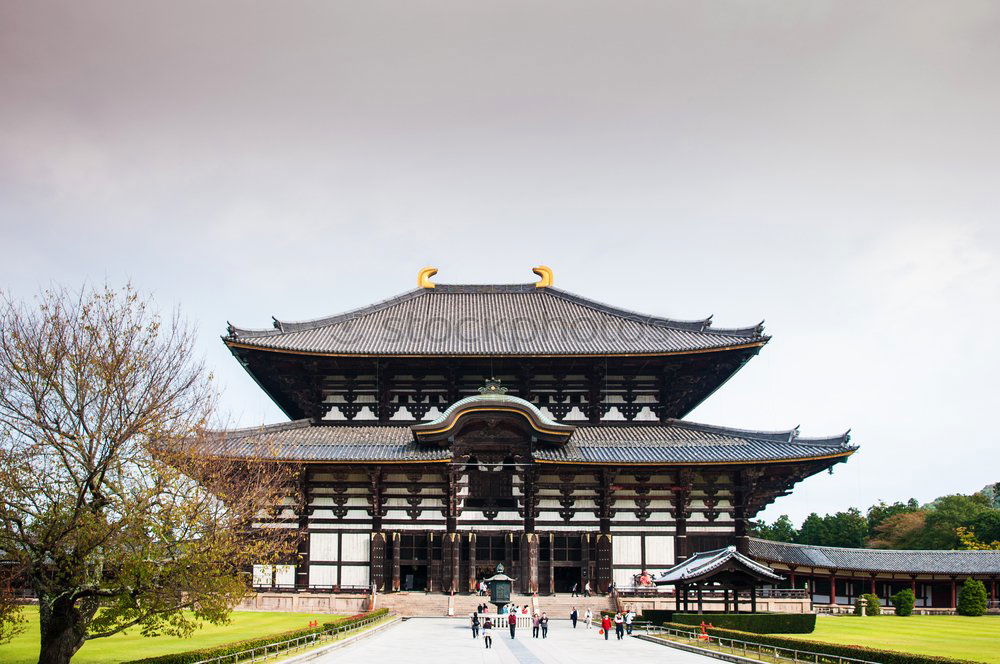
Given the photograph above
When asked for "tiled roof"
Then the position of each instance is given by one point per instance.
(680, 441)
(673, 442)
(701, 565)
(877, 560)
(517, 319)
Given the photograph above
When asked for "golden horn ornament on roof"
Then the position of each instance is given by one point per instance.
(424, 277)
(546, 276)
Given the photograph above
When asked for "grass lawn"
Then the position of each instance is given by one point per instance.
(131, 645)
(948, 636)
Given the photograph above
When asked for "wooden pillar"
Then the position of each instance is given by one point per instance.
(753, 598)
(302, 545)
(473, 582)
(913, 588)
(993, 590)
(434, 575)
(529, 563)
(552, 566)
(725, 600)
(701, 606)
(677, 596)
(954, 594)
(792, 578)
(736, 599)
(681, 500)
(741, 531)
(585, 560)
(396, 572)
(871, 586)
(833, 589)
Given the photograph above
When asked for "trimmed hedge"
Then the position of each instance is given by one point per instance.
(758, 623)
(190, 656)
(904, 602)
(830, 649)
(657, 616)
(972, 598)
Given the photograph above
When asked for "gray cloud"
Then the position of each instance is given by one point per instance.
(830, 167)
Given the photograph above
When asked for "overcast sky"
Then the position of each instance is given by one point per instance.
(831, 167)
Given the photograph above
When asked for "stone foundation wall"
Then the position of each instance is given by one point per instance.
(305, 603)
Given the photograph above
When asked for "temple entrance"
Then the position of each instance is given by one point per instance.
(413, 577)
(565, 577)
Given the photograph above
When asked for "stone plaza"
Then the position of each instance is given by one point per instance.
(445, 640)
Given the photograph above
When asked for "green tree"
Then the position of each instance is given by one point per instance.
(849, 529)
(904, 602)
(881, 511)
(972, 598)
(900, 531)
(948, 513)
(813, 530)
(782, 530)
(100, 399)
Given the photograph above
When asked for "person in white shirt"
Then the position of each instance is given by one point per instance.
(588, 617)
(629, 617)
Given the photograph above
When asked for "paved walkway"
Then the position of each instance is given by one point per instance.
(444, 640)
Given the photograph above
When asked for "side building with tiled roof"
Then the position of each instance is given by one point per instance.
(834, 577)
(454, 427)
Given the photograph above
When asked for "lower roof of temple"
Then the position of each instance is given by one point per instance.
(675, 442)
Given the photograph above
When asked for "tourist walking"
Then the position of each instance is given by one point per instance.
(586, 589)
(475, 625)
(588, 617)
(512, 623)
(629, 617)
(535, 622)
(576, 586)
(482, 588)
(573, 616)
(605, 625)
(544, 621)
(488, 633)
(619, 626)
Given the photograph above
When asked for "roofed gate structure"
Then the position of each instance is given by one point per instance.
(454, 427)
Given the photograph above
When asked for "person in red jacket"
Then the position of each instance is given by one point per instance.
(512, 623)
(606, 625)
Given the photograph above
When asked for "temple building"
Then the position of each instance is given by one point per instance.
(454, 427)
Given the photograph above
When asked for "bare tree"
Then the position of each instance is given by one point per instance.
(105, 500)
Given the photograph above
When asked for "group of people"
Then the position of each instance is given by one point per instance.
(576, 589)
(539, 624)
(622, 622)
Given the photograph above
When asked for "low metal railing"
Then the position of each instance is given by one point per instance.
(749, 649)
(282, 648)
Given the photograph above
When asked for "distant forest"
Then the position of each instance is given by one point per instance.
(957, 521)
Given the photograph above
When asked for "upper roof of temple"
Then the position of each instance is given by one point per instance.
(477, 320)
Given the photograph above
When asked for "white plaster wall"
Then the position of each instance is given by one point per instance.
(284, 575)
(626, 549)
(659, 551)
(262, 575)
(323, 547)
(354, 576)
(322, 575)
(354, 547)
